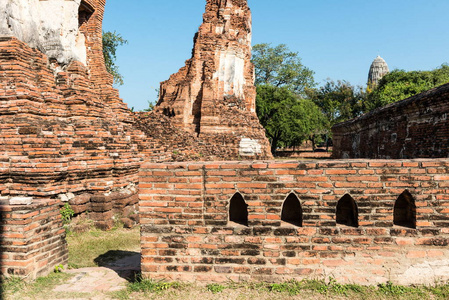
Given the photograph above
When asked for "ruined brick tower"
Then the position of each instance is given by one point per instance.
(214, 92)
(219, 72)
(64, 132)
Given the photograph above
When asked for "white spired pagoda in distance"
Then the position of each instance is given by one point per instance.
(379, 69)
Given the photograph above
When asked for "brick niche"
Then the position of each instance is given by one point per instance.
(358, 221)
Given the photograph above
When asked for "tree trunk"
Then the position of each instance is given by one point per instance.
(274, 145)
(327, 143)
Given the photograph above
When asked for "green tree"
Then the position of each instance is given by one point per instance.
(282, 81)
(339, 101)
(288, 120)
(150, 106)
(111, 41)
(399, 85)
(280, 67)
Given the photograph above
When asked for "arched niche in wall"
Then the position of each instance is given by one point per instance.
(292, 210)
(404, 213)
(85, 11)
(347, 212)
(238, 210)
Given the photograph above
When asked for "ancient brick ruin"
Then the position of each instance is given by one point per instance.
(358, 221)
(212, 99)
(417, 127)
(66, 136)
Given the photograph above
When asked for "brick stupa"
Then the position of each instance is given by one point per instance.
(214, 93)
(64, 132)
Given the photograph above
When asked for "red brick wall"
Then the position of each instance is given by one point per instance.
(32, 240)
(166, 142)
(60, 135)
(187, 235)
(417, 127)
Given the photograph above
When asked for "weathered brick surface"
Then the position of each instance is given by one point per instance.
(417, 127)
(187, 233)
(166, 142)
(64, 131)
(65, 135)
(212, 99)
(32, 239)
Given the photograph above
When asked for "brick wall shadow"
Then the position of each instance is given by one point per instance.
(125, 263)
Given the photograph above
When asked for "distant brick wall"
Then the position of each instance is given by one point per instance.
(417, 127)
(353, 220)
(32, 240)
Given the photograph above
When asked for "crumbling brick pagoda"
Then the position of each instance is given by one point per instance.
(213, 96)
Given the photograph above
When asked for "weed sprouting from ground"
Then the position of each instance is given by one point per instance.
(151, 286)
(215, 288)
(440, 290)
(390, 289)
(66, 213)
(145, 286)
(12, 285)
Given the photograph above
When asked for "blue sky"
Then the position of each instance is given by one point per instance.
(337, 39)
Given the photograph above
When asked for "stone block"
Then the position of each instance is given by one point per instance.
(21, 200)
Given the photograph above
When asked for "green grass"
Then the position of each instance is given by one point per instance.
(305, 289)
(215, 288)
(95, 247)
(144, 287)
(41, 288)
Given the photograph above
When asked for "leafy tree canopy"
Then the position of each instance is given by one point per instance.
(111, 41)
(287, 119)
(399, 85)
(280, 67)
(339, 101)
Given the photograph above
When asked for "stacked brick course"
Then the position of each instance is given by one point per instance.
(187, 233)
(166, 142)
(417, 127)
(32, 239)
(64, 134)
(59, 137)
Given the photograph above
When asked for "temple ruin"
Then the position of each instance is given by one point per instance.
(213, 97)
(67, 137)
(378, 69)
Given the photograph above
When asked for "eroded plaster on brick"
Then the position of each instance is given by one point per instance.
(52, 26)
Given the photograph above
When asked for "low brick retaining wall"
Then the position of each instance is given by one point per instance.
(358, 221)
(32, 239)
